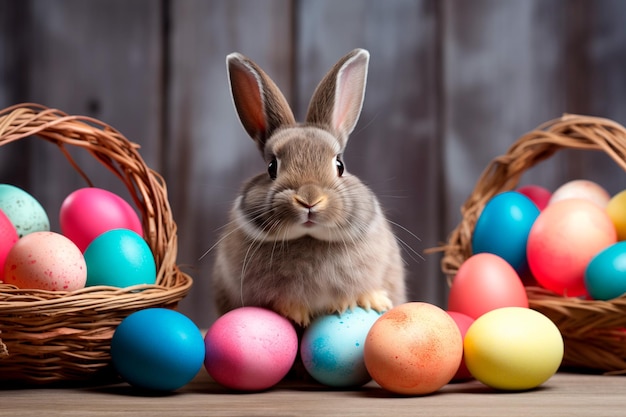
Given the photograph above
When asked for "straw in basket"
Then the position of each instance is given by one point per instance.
(55, 336)
(594, 332)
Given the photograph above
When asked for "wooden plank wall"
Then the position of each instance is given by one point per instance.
(452, 84)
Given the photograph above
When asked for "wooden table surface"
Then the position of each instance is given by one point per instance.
(563, 395)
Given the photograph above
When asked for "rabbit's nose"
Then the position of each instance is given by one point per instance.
(309, 197)
(309, 204)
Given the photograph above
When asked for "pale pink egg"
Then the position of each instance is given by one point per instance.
(585, 189)
(562, 241)
(45, 261)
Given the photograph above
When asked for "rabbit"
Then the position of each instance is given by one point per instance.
(305, 237)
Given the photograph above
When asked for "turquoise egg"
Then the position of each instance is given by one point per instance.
(23, 210)
(157, 349)
(119, 258)
(503, 227)
(605, 276)
(332, 348)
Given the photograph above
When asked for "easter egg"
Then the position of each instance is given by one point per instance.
(464, 322)
(8, 237)
(605, 276)
(88, 212)
(45, 261)
(513, 349)
(616, 209)
(332, 347)
(119, 258)
(485, 282)
(583, 189)
(24, 211)
(157, 349)
(250, 349)
(503, 226)
(564, 238)
(537, 194)
(413, 349)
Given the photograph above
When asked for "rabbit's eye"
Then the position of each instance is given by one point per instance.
(339, 165)
(272, 168)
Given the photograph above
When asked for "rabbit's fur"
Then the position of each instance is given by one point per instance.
(305, 237)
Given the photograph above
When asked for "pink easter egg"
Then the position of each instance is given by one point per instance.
(8, 237)
(250, 349)
(88, 212)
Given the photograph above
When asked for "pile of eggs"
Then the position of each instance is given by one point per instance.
(413, 349)
(570, 242)
(101, 242)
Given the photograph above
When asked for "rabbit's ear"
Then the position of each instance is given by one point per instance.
(337, 100)
(261, 106)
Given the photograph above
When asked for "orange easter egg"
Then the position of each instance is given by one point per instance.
(413, 349)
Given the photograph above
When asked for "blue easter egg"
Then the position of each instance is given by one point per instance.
(119, 258)
(332, 348)
(605, 275)
(503, 227)
(157, 349)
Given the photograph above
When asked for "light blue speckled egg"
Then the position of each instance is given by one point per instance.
(24, 211)
(332, 348)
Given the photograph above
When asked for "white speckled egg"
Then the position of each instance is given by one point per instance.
(24, 211)
(45, 261)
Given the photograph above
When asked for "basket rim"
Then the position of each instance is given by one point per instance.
(116, 153)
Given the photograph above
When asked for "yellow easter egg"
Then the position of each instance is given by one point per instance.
(616, 209)
(513, 348)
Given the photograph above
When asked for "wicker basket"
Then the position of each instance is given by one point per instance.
(594, 331)
(54, 336)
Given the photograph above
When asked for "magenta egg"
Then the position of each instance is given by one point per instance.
(250, 349)
(88, 212)
(8, 237)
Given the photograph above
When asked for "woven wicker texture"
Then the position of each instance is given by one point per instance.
(52, 336)
(594, 331)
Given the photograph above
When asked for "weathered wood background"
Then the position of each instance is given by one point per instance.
(451, 85)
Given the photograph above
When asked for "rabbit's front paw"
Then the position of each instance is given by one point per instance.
(297, 313)
(377, 300)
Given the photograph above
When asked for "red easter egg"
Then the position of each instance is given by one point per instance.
(538, 195)
(485, 282)
(464, 322)
(562, 241)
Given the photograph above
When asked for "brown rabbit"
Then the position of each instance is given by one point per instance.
(305, 237)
